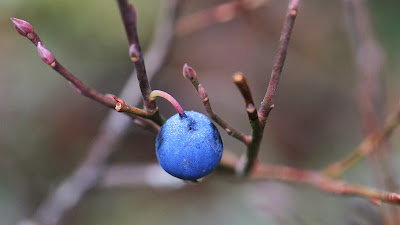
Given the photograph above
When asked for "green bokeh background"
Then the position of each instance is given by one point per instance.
(45, 127)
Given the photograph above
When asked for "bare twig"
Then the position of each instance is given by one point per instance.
(244, 89)
(190, 74)
(268, 103)
(78, 85)
(129, 19)
(69, 192)
(366, 147)
(222, 13)
(322, 183)
(313, 178)
(370, 61)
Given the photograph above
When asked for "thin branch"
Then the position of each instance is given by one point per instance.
(370, 64)
(257, 126)
(313, 178)
(244, 89)
(190, 74)
(268, 103)
(129, 19)
(370, 143)
(70, 191)
(127, 176)
(222, 13)
(78, 85)
(322, 183)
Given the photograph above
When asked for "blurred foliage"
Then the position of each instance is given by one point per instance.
(45, 127)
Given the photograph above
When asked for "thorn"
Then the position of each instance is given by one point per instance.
(22, 27)
(202, 92)
(46, 55)
(188, 72)
(134, 53)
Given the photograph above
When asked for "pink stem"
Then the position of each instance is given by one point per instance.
(168, 97)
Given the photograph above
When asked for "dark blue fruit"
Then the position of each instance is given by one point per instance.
(189, 147)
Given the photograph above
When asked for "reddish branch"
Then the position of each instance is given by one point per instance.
(190, 74)
(370, 64)
(268, 103)
(111, 131)
(244, 89)
(129, 19)
(26, 29)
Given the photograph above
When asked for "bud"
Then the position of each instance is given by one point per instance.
(22, 27)
(134, 53)
(189, 73)
(202, 92)
(45, 55)
(238, 77)
(120, 104)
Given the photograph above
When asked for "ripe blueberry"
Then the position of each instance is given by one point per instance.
(189, 146)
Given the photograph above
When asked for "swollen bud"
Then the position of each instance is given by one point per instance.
(189, 73)
(46, 55)
(134, 53)
(22, 27)
(202, 92)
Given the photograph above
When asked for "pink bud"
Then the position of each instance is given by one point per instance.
(188, 72)
(45, 54)
(202, 92)
(22, 27)
(134, 53)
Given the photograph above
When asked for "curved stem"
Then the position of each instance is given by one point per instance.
(168, 97)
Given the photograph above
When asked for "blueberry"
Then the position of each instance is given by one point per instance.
(189, 147)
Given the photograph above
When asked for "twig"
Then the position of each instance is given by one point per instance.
(366, 147)
(78, 85)
(268, 103)
(244, 89)
(222, 13)
(190, 74)
(313, 178)
(129, 19)
(322, 183)
(370, 61)
(87, 174)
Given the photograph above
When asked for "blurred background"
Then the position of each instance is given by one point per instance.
(46, 127)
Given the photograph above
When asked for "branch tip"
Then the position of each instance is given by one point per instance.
(189, 73)
(22, 27)
(238, 77)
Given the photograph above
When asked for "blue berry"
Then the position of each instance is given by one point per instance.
(189, 147)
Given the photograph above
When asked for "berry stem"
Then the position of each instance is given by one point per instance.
(168, 97)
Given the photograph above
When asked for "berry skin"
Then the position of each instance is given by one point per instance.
(189, 147)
